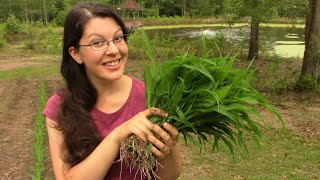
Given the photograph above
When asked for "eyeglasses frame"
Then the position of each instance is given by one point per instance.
(106, 42)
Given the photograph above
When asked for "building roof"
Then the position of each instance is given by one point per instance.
(130, 5)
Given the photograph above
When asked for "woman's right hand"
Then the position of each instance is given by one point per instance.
(139, 125)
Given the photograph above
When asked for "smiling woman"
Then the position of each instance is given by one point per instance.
(101, 105)
(105, 59)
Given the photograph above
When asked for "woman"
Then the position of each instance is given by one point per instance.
(101, 105)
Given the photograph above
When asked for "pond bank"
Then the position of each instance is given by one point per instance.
(221, 24)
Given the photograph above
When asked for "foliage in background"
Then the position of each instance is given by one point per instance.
(169, 46)
(53, 10)
(43, 40)
(12, 28)
(2, 39)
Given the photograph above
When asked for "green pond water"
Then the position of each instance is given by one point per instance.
(285, 41)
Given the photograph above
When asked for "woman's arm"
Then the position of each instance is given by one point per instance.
(95, 166)
(98, 163)
(171, 167)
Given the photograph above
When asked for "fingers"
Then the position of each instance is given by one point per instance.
(143, 127)
(172, 130)
(142, 132)
(159, 149)
(155, 112)
(146, 126)
(162, 134)
(163, 141)
(157, 153)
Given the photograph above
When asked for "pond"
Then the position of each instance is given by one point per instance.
(284, 41)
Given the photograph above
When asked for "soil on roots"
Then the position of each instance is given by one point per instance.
(137, 155)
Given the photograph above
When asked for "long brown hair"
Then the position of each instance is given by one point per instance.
(79, 97)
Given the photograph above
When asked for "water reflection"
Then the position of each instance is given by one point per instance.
(284, 41)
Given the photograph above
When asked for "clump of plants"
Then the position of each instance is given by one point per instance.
(208, 100)
(43, 40)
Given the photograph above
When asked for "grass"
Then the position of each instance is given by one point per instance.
(287, 156)
(40, 138)
(28, 71)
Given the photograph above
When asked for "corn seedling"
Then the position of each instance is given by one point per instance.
(204, 96)
(39, 146)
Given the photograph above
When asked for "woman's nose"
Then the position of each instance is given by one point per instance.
(112, 48)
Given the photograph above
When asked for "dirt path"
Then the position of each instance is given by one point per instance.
(17, 110)
(13, 62)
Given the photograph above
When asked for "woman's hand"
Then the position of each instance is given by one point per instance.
(139, 125)
(163, 141)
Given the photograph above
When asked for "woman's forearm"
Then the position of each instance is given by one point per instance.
(98, 163)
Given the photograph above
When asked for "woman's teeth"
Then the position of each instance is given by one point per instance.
(114, 63)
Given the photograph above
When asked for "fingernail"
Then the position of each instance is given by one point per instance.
(166, 114)
(149, 137)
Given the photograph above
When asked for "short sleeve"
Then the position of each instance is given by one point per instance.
(52, 106)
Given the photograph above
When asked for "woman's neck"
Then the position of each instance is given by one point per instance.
(112, 95)
(110, 87)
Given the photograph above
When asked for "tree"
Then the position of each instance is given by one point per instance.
(45, 12)
(254, 31)
(258, 11)
(292, 8)
(310, 66)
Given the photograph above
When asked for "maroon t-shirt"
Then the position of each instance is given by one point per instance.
(105, 123)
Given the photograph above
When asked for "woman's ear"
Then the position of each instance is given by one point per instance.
(75, 54)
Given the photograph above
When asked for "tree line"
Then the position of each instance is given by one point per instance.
(54, 10)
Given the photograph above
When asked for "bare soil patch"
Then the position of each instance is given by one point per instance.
(17, 127)
(301, 112)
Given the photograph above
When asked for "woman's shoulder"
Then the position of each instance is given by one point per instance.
(137, 83)
(52, 105)
(55, 99)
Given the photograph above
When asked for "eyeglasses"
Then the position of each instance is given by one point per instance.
(101, 44)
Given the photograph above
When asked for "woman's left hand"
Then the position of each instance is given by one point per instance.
(163, 141)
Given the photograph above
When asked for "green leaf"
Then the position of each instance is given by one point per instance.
(188, 137)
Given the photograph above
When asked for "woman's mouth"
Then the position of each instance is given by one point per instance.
(112, 64)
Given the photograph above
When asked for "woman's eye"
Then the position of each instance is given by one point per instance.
(97, 43)
(117, 38)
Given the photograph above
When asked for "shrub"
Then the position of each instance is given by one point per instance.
(2, 43)
(43, 40)
(12, 28)
(59, 20)
(306, 83)
(13, 25)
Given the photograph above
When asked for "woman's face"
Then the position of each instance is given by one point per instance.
(105, 64)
